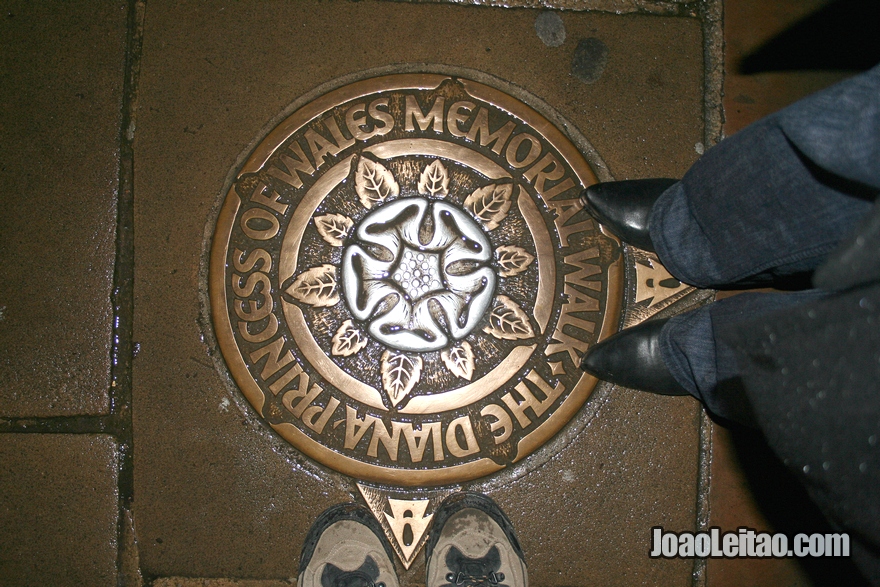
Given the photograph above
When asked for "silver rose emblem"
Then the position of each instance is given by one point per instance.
(419, 276)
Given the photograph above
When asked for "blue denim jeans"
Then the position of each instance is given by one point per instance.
(762, 207)
(701, 361)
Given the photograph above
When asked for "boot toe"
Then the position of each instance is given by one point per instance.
(632, 358)
(624, 207)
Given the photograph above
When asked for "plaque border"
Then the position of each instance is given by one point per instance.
(262, 149)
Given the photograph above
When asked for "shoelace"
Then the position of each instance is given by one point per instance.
(461, 579)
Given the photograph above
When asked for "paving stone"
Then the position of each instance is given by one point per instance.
(220, 496)
(616, 6)
(61, 73)
(584, 518)
(748, 25)
(58, 510)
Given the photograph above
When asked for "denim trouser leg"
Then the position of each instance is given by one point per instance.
(700, 362)
(732, 219)
(771, 201)
(775, 198)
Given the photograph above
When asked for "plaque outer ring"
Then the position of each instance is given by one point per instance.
(223, 329)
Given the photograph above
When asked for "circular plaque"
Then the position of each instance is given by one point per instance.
(402, 279)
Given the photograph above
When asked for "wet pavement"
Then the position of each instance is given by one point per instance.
(61, 98)
(129, 456)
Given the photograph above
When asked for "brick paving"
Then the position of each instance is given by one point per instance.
(125, 456)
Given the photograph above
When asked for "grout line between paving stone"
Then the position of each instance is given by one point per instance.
(655, 7)
(712, 20)
(60, 425)
(123, 277)
(123, 301)
(704, 477)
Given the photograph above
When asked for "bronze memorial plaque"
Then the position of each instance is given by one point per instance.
(402, 279)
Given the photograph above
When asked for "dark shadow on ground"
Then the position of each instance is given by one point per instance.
(788, 508)
(843, 35)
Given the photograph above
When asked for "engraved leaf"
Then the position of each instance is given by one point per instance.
(374, 184)
(489, 204)
(434, 180)
(508, 321)
(348, 340)
(333, 228)
(400, 373)
(459, 360)
(316, 286)
(512, 260)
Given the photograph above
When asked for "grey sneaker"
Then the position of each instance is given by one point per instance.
(472, 544)
(345, 548)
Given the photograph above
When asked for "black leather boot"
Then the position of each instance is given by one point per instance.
(624, 207)
(631, 358)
